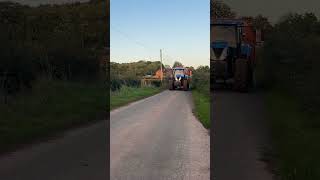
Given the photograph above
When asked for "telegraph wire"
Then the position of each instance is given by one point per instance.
(129, 38)
(146, 48)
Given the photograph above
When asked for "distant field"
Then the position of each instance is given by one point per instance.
(129, 94)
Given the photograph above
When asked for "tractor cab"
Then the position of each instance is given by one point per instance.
(225, 46)
(231, 40)
(179, 73)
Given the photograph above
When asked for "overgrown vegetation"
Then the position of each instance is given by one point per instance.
(202, 107)
(50, 108)
(295, 135)
(52, 68)
(218, 9)
(201, 79)
(201, 94)
(62, 42)
(290, 59)
(130, 74)
(289, 62)
(127, 94)
(125, 81)
(287, 70)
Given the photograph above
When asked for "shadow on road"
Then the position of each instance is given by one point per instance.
(240, 131)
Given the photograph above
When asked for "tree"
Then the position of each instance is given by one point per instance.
(260, 23)
(167, 66)
(177, 64)
(218, 9)
(201, 79)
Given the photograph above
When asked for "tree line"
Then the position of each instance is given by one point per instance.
(130, 74)
(62, 42)
(201, 80)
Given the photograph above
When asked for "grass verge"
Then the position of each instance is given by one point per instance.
(130, 94)
(202, 107)
(50, 107)
(295, 137)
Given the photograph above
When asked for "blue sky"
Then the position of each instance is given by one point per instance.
(140, 28)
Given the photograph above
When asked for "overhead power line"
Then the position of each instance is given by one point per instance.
(139, 43)
(130, 38)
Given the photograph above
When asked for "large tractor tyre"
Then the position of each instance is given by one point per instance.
(252, 78)
(185, 85)
(241, 76)
(170, 84)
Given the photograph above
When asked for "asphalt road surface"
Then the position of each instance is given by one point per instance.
(77, 155)
(159, 138)
(240, 136)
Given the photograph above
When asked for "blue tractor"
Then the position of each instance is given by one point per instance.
(232, 55)
(180, 78)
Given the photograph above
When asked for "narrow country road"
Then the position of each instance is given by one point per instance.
(240, 135)
(159, 138)
(79, 154)
(155, 138)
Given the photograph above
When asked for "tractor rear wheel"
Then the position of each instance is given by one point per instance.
(185, 85)
(252, 78)
(170, 84)
(241, 76)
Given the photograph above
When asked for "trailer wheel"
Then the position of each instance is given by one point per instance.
(241, 76)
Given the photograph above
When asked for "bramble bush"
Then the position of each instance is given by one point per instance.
(201, 79)
(290, 58)
(56, 42)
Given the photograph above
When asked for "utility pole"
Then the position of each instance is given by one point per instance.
(161, 64)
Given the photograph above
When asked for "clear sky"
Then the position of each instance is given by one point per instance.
(140, 28)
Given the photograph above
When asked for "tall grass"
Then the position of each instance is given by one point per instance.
(49, 108)
(129, 94)
(288, 69)
(202, 107)
(201, 94)
(295, 135)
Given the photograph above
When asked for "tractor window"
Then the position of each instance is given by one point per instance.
(224, 33)
(178, 72)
